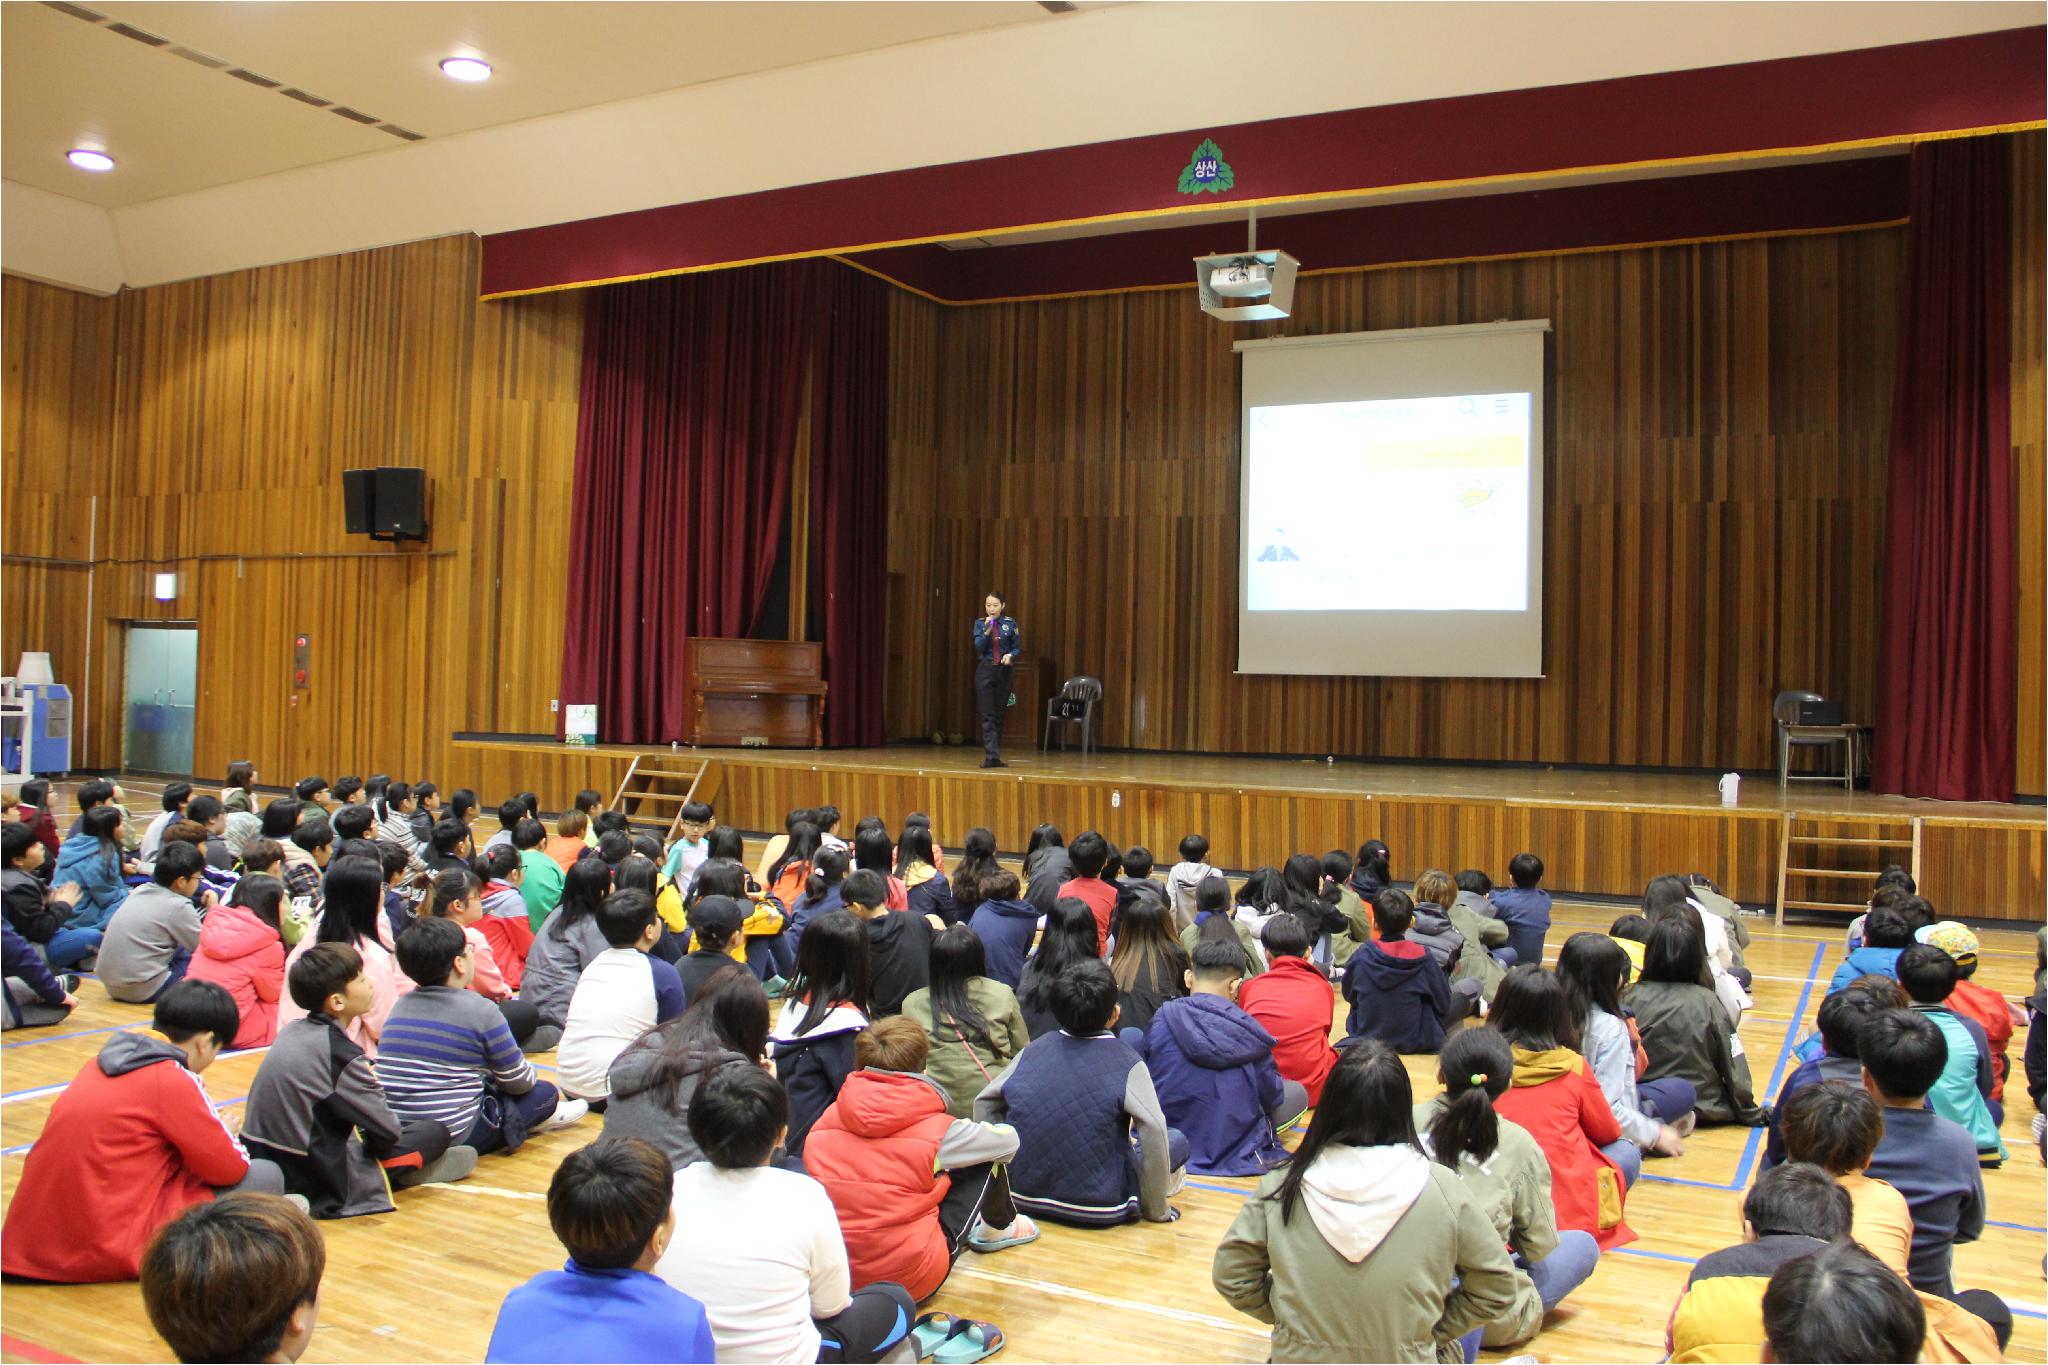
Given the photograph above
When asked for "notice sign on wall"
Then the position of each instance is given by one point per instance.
(580, 724)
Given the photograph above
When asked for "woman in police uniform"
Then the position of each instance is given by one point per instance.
(995, 650)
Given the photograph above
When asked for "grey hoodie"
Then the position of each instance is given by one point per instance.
(149, 929)
(643, 1108)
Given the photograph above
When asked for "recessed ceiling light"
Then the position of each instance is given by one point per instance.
(86, 159)
(466, 69)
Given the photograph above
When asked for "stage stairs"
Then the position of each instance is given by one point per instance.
(659, 784)
(1830, 863)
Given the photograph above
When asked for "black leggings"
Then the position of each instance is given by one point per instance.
(867, 1328)
(979, 1194)
(992, 693)
(523, 1019)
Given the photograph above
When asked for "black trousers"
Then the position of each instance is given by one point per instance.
(992, 692)
(869, 1327)
(978, 1194)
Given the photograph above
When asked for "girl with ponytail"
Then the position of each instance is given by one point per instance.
(1508, 1175)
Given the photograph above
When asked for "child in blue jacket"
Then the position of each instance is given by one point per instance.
(609, 1205)
(1524, 907)
(1212, 1065)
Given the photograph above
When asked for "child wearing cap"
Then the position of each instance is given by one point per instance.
(1973, 1001)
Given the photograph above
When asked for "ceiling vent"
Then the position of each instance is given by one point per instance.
(139, 35)
(76, 11)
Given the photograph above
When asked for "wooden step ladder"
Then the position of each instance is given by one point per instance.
(658, 785)
(1816, 857)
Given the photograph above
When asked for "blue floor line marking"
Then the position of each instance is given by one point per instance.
(1653, 1255)
(2016, 1227)
(82, 1033)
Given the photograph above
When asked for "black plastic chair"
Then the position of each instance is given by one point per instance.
(1075, 705)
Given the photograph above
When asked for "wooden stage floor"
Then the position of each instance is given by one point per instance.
(1601, 832)
(424, 1283)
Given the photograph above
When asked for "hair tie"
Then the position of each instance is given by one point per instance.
(1479, 1078)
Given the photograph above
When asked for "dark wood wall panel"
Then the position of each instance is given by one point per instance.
(2030, 488)
(1714, 505)
(214, 418)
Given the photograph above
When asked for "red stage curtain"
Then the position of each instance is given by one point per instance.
(850, 499)
(686, 441)
(1947, 702)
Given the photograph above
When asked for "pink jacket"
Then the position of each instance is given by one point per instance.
(242, 953)
(488, 982)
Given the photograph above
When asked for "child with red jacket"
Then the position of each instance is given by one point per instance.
(912, 1185)
(505, 924)
(131, 1143)
(1294, 1002)
(1972, 1001)
(1555, 1096)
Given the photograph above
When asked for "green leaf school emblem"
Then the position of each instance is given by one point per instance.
(1207, 172)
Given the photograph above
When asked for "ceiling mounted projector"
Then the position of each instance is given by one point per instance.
(1249, 285)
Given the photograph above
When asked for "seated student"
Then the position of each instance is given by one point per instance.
(1361, 1248)
(913, 1186)
(1836, 1126)
(541, 881)
(1972, 1001)
(395, 807)
(91, 860)
(176, 796)
(1595, 972)
(1295, 1003)
(354, 821)
(1669, 897)
(1047, 866)
(1088, 853)
(1074, 1096)
(762, 1246)
(764, 944)
(823, 1014)
(1524, 907)
(36, 912)
(1963, 1092)
(1791, 1211)
(1432, 928)
(1138, 868)
(36, 812)
(1184, 876)
(401, 883)
(1212, 901)
(563, 946)
(1554, 1097)
(35, 997)
(448, 845)
(1070, 937)
(570, 839)
(237, 1278)
(353, 913)
(1006, 924)
(1483, 940)
(653, 1080)
(1886, 934)
(510, 812)
(448, 1055)
(131, 1142)
(1930, 1160)
(715, 923)
(624, 992)
(308, 848)
(1842, 1017)
(318, 1111)
(1149, 964)
(504, 924)
(149, 942)
(1631, 933)
(241, 946)
(973, 1023)
(818, 890)
(1501, 1165)
(688, 852)
(1212, 1067)
(208, 813)
(1685, 1028)
(1397, 992)
(924, 881)
(874, 851)
(609, 1206)
(1840, 1303)
(899, 944)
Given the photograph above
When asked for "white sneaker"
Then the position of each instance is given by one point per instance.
(567, 1112)
(298, 1201)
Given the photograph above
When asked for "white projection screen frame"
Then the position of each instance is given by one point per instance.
(1489, 364)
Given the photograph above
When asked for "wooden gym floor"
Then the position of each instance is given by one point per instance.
(424, 1283)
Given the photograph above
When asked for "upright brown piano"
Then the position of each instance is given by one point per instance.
(766, 692)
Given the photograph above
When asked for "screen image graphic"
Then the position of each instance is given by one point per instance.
(1448, 476)
(1390, 502)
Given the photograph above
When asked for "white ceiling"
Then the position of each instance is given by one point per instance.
(175, 126)
(603, 108)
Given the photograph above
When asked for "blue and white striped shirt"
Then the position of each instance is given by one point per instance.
(439, 1048)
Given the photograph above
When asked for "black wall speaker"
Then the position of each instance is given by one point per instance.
(385, 503)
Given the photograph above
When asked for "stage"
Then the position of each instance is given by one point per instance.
(1599, 831)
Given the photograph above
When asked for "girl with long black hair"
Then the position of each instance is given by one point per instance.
(974, 1022)
(653, 1079)
(1361, 1248)
(823, 1014)
(1071, 937)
